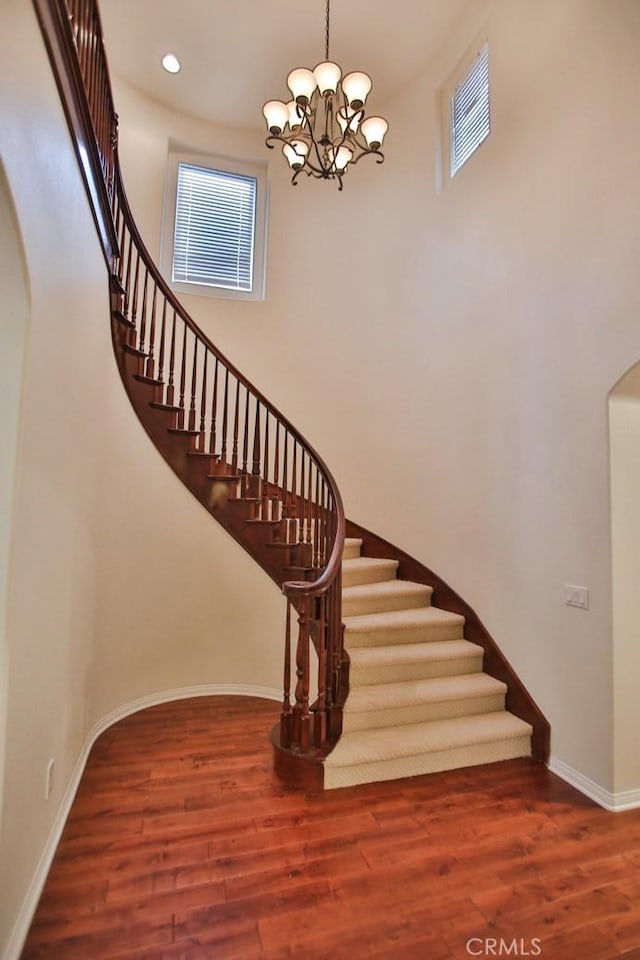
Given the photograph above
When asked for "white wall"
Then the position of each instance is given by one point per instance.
(466, 339)
(624, 414)
(120, 586)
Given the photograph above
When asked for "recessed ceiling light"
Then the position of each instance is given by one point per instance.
(171, 63)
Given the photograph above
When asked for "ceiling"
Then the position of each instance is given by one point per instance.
(236, 54)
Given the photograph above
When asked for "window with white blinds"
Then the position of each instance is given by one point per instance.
(470, 111)
(214, 234)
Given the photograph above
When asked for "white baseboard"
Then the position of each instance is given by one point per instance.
(615, 802)
(25, 916)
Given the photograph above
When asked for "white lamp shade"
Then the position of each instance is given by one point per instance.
(295, 152)
(373, 130)
(327, 76)
(356, 87)
(302, 83)
(348, 118)
(276, 113)
(295, 120)
(340, 157)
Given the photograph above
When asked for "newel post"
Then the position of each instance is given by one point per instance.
(286, 715)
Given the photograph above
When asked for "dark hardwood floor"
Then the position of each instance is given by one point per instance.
(182, 845)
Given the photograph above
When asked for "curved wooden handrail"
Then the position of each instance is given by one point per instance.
(288, 485)
(292, 588)
(177, 305)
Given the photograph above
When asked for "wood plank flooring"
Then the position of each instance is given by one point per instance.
(182, 845)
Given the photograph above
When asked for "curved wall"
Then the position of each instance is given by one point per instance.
(121, 586)
(14, 315)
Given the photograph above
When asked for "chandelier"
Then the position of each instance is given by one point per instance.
(323, 129)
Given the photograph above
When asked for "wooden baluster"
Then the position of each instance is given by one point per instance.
(316, 528)
(294, 491)
(320, 713)
(183, 377)
(301, 511)
(172, 362)
(336, 638)
(151, 363)
(203, 402)
(245, 438)
(236, 427)
(127, 281)
(121, 241)
(134, 301)
(265, 471)
(98, 104)
(330, 701)
(194, 371)
(163, 333)
(285, 477)
(72, 17)
(80, 38)
(254, 480)
(223, 451)
(143, 312)
(325, 526)
(285, 717)
(214, 411)
(95, 72)
(302, 715)
(275, 499)
(309, 511)
(91, 64)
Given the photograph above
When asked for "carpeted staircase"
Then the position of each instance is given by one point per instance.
(418, 699)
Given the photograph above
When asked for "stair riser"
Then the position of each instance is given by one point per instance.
(350, 552)
(383, 638)
(467, 756)
(356, 578)
(358, 607)
(421, 713)
(364, 676)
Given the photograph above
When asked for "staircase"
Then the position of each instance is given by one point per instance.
(418, 699)
(397, 687)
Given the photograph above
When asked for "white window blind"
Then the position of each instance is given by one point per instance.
(214, 228)
(470, 113)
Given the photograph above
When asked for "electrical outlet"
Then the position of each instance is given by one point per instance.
(48, 784)
(576, 596)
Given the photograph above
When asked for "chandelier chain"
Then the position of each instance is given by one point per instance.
(326, 35)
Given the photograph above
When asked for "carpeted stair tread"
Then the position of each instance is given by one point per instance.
(413, 661)
(382, 696)
(361, 570)
(418, 624)
(389, 595)
(352, 547)
(388, 743)
(401, 653)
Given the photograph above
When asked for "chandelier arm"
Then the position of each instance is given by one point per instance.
(367, 152)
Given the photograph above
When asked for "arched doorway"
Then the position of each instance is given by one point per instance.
(14, 314)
